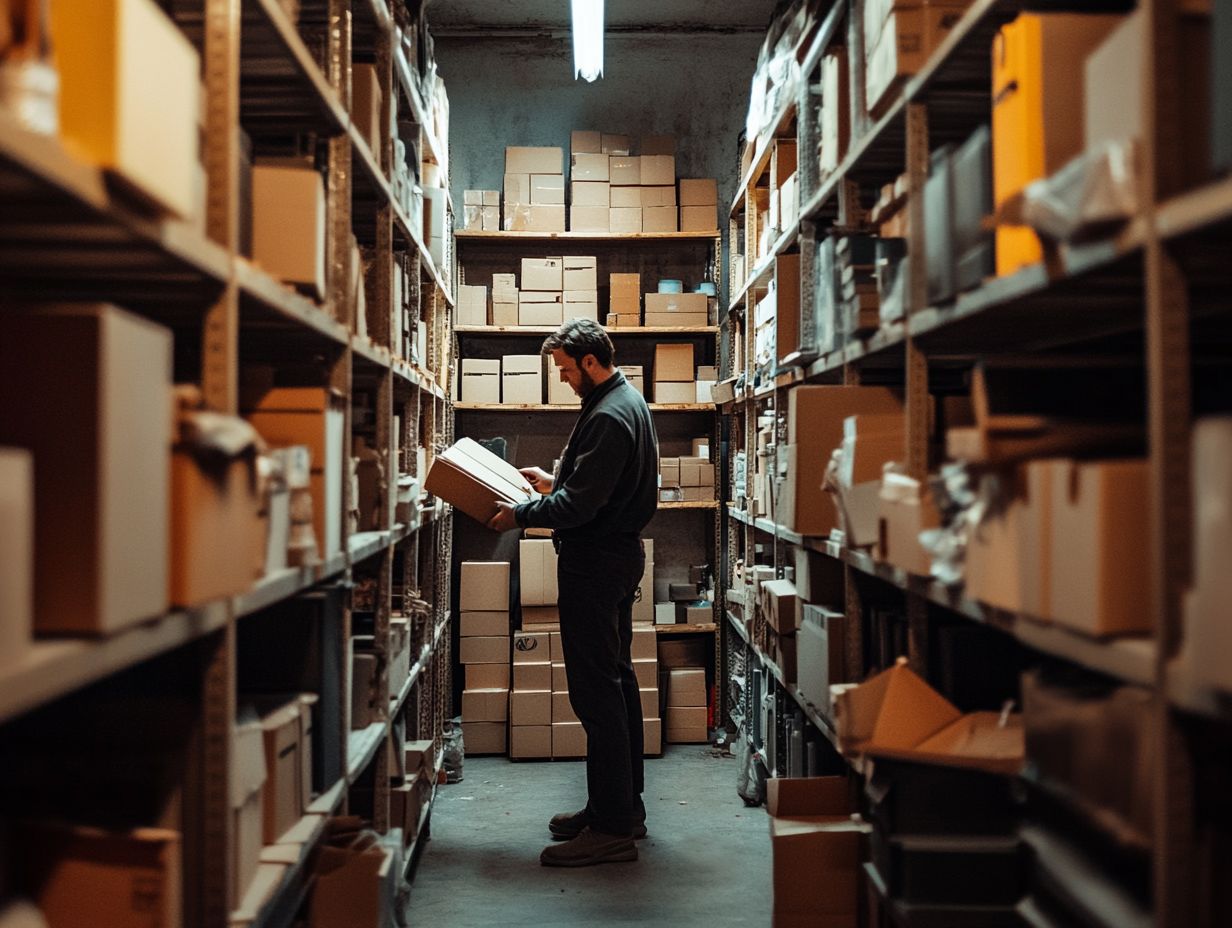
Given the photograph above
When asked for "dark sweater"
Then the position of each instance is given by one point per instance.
(608, 480)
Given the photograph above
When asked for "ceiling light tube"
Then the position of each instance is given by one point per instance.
(587, 39)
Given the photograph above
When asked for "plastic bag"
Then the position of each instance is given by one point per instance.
(455, 750)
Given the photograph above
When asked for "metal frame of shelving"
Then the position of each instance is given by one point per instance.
(1030, 310)
(197, 274)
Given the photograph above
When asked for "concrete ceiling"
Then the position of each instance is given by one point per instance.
(446, 16)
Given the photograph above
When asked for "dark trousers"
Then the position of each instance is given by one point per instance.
(597, 583)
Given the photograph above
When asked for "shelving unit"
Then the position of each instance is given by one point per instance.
(68, 233)
(1146, 290)
(683, 255)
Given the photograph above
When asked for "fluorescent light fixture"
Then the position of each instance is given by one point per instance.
(587, 39)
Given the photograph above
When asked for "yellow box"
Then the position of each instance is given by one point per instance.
(129, 88)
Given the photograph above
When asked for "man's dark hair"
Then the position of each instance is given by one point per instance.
(580, 337)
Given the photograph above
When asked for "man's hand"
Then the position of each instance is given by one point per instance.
(539, 478)
(504, 520)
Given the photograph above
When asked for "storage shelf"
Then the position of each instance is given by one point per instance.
(66, 232)
(690, 504)
(288, 896)
(54, 668)
(279, 304)
(462, 235)
(684, 629)
(362, 745)
(541, 330)
(760, 277)
(417, 670)
(542, 407)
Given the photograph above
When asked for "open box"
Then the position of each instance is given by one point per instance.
(473, 479)
(896, 714)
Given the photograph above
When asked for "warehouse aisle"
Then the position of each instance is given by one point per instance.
(705, 861)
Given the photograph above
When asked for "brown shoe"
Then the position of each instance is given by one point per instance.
(589, 848)
(568, 825)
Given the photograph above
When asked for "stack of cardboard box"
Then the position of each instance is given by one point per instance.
(590, 188)
(821, 635)
(686, 479)
(645, 653)
(530, 706)
(677, 309)
(568, 736)
(581, 287)
(699, 204)
(484, 654)
(780, 608)
(625, 301)
(674, 373)
(534, 190)
(537, 575)
(898, 40)
(412, 787)
(505, 299)
(643, 603)
(481, 210)
(686, 706)
(540, 299)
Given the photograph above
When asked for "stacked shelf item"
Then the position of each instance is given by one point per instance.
(1018, 512)
(688, 523)
(281, 617)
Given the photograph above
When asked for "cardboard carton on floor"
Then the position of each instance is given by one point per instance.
(560, 677)
(528, 742)
(472, 478)
(531, 675)
(568, 740)
(530, 707)
(532, 648)
(487, 676)
(484, 586)
(816, 850)
(484, 737)
(128, 877)
(686, 687)
(101, 507)
(562, 708)
(652, 736)
(896, 714)
(487, 650)
(686, 725)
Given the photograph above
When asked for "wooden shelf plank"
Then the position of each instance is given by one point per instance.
(463, 235)
(361, 748)
(683, 629)
(690, 504)
(541, 330)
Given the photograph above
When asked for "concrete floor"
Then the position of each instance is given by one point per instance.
(705, 861)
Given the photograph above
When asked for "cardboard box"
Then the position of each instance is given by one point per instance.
(540, 618)
(493, 650)
(1101, 577)
(652, 736)
(656, 197)
(659, 219)
(560, 680)
(705, 391)
(472, 305)
(616, 144)
(481, 380)
(547, 190)
(647, 672)
(584, 140)
(537, 569)
(674, 392)
(568, 740)
(531, 675)
(522, 379)
(665, 613)
(288, 224)
(643, 599)
(1009, 554)
(686, 725)
(645, 644)
(523, 160)
(484, 586)
(247, 782)
(626, 287)
(673, 362)
(530, 741)
(589, 219)
(532, 648)
(217, 534)
(562, 708)
(699, 218)
(701, 191)
(669, 472)
(484, 737)
(283, 790)
(366, 106)
(819, 654)
(591, 193)
(352, 886)
(540, 308)
(896, 714)
(579, 272)
(16, 553)
(517, 191)
(686, 687)
(542, 217)
(485, 705)
(582, 304)
(590, 167)
(657, 170)
(128, 96)
(678, 303)
(624, 170)
(904, 511)
(676, 319)
(543, 274)
(819, 578)
(314, 417)
(626, 197)
(483, 625)
(781, 605)
(625, 219)
(129, 878)
(102, 512)
(907, 38)
(505, 313)
(650, 702)
(816, 850)
(487, 676)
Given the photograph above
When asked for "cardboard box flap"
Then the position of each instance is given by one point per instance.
(895, 709)
(470, 451)
(979, 740)
(211, 436)
(848, 852)
(807, 796)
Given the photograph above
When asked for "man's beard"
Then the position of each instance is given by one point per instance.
(585, 384)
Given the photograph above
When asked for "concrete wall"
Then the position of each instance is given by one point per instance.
(507, 91)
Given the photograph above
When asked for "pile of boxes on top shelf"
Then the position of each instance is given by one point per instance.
(554, 289)
(534, 716)
(611, 190)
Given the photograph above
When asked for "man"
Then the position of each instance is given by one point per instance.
(603, 494)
